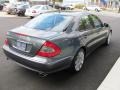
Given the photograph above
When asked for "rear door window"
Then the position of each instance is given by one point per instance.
(49, 8)
(86, 23)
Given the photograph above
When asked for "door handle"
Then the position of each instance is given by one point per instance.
(85, 36)
(98, 32)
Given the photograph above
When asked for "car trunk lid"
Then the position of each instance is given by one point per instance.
(28, 41)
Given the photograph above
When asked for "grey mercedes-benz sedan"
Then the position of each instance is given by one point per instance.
(55, 41)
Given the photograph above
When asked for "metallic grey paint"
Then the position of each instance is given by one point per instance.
(69, 40)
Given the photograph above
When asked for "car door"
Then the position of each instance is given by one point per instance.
(50, 9)
(100, 29)
(44, 9)
(89, 34)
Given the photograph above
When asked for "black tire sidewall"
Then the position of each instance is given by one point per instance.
(74, 60)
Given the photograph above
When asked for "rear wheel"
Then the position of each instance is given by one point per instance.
(78, 61)
(31, 17)
(96, 10)
(8, 13)
(86, 9)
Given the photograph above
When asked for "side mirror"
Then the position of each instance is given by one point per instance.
(106, 25)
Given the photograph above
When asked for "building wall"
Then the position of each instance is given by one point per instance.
(74, 1)
(82, 1)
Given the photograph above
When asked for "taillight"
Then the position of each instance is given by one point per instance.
(49, 49)
(6, 42)
(33, 11)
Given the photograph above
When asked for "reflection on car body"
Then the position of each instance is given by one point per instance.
(37, 10)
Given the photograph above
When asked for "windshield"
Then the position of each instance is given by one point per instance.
(54, 22)
(22, 6)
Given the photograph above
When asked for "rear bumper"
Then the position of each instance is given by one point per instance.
(21, 12)
(31, 14)
(10, 11)
(37, 64)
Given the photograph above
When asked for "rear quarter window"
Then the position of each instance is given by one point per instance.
(86, 23)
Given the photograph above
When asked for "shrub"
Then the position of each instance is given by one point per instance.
(79, 6)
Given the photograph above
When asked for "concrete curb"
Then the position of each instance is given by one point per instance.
(112, 80)
(3, 14)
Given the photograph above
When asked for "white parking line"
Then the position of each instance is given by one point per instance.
(111, 14)
(112, 80)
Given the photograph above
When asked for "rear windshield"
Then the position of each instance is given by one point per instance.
(36, 7)
(54, 22)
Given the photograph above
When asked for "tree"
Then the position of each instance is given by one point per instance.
(56, 1)
(53, 1)
(119, 6)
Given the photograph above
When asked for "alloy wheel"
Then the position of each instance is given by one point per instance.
(79, 60)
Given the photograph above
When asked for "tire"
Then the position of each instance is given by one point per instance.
(8, 13)
(86, 9)
(1, 8)
(107, 42)
(31, 17)
(96, 10)
(68, 8)
(78, 61)
(19, 14)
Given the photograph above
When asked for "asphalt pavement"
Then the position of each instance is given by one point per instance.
(95, 69)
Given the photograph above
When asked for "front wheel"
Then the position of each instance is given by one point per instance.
(108, 39)
(96, 10)
(8, 13)
(19, 14)
(78, 61)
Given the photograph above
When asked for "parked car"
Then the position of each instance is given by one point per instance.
(21, 9)
(93, 8)
(37, 10)
(62, 6)
(55, 41)
(57, 6)
(67, 6)
(10, 9)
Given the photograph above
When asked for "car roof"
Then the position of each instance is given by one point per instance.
(34, 6)
(39, 5)
(71, 13)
